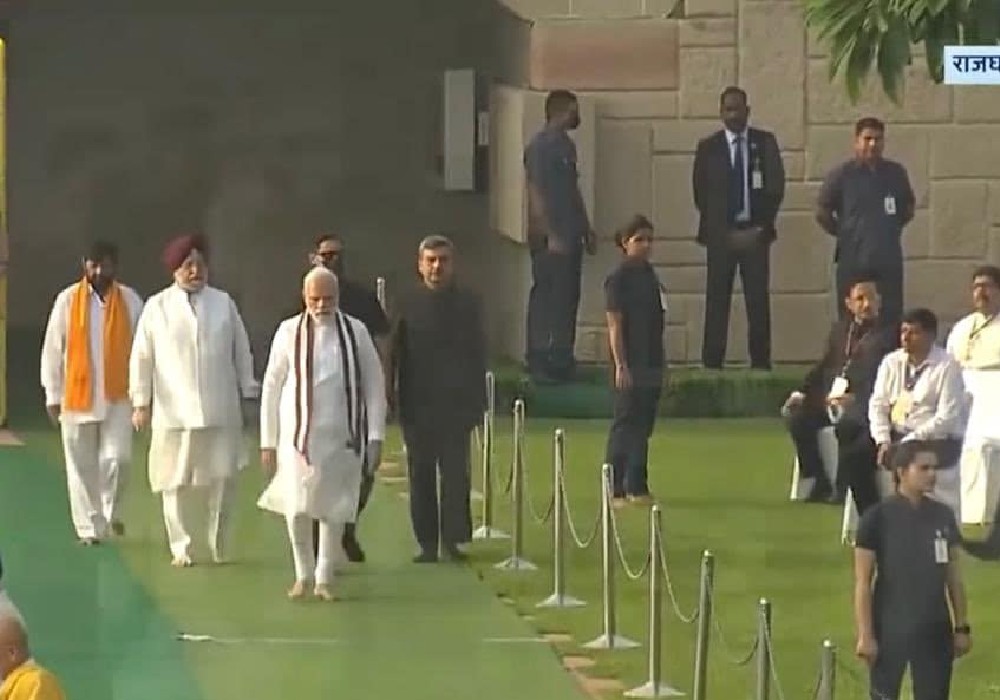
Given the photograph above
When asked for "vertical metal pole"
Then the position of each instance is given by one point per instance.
(654, 687)
(763, 649)
(559, 599)
(828, 676)
(516, 562)
(486, 531)
(610, 639)
(704, 626)
(380, 292)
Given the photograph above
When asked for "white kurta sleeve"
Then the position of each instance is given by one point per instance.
(374, 380)
(947, 419)
(880, 405)
(140, 365)
(275, 376)
(53, 352)
(243, 355)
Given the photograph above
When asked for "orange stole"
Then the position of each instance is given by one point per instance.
(117, 345)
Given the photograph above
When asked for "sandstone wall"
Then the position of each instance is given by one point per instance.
(653, 73)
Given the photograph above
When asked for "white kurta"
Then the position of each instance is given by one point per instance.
(328, 487)
(97, 443)
(191, 362)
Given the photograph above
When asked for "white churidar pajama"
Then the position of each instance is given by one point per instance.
(97, 444)
(191, 362)
(327, 487)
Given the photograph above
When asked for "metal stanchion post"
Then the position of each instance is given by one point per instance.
(380, 292)
(655, 687)
(828, 676)
(516, 562)
(704, 626)
(486, 531)
(559, 599)
(763, 649)
(610, 639)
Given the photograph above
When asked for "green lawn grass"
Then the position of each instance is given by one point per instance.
(723, 486)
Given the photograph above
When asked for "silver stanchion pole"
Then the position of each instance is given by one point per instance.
(516, 562)
(704, 626)
(610, 639)
(559, 599)
(828, 675)
(486, 531)
(380, 292)
(763, 649)
(655, 687)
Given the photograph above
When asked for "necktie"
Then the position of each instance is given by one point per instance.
(737, 176)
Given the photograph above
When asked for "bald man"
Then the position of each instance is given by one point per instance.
(322, 417)
(23, 679)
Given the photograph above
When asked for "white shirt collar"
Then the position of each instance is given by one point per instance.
(731, 135)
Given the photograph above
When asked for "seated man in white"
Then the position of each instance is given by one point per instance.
(975, 343)
(919, 395)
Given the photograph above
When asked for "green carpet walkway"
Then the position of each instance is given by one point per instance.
(106, 619)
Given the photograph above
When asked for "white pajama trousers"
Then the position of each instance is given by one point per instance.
(177, 506)
(308, 567)
(97, 455)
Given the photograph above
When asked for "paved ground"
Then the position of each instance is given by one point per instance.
(107, 619)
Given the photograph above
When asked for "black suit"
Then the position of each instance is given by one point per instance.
(439, 367)
(763, 178)
(855, 448)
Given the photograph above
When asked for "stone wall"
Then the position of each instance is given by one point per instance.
(653, 72)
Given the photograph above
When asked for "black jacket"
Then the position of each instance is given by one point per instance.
(710, 182)
(875, 344)
(438, 359)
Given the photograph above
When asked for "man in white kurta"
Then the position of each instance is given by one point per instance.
(191, 364)
(84, 372)
(323, 411)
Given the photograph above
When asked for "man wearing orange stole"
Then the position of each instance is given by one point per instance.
(322, 415)
(84, 371)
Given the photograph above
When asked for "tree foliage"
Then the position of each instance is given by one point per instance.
(863, 33)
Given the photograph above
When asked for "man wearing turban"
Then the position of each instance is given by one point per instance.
(190, 366)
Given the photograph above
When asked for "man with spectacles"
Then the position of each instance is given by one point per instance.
(363, 304)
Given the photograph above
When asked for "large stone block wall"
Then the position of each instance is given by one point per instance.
(653, 73)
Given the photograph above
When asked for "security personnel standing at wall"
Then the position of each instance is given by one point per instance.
(915, 615)
(865, 203)
(635, 310)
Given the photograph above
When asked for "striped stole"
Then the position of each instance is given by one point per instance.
(357, 413)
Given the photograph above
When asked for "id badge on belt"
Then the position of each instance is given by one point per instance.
(940, 548)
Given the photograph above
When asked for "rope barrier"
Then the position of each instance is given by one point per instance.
(516, 560)
(559, 599)
(486, 530)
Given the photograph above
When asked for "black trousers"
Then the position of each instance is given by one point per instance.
(890, 288)
(857, 457)
(430, 450)
(804, 425)
(628, 438)
(754, 267)
(367, 483)
(553, 303)
(930, 657)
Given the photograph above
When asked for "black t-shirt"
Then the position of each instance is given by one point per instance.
(360, 302)
(910, 580)
(633, 290)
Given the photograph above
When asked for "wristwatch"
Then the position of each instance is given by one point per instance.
(963, 629)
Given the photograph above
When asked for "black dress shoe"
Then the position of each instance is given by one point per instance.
(352, 549)
(454, 554)
(425, 558)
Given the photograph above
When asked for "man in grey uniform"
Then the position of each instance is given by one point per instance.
(865, 203)
(915, 614)
(558, 233)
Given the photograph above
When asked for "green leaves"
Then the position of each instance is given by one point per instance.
(859, 33)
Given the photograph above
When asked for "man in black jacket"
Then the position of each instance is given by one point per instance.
(839, 386)
(739, 183)
(438, 368)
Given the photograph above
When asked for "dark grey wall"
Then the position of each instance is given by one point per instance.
(258, 127)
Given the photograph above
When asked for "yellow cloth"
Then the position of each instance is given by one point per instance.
(31, 682)
(117, 343)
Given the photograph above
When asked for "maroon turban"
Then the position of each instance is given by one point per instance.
(178, 250)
